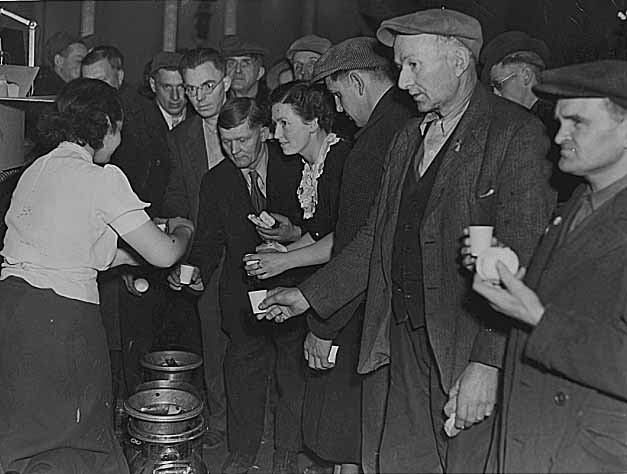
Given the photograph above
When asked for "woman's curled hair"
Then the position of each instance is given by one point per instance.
(309, 101)
(85, 108)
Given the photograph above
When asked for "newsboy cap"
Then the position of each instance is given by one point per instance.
(511, 42)
(233, 45)
(353, 53)
(605, 78)
(436, 21)
(313, 43)
(165, 60)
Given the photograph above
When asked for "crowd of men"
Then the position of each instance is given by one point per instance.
(532, 370)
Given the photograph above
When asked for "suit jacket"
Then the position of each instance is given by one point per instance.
(188, 161)
(565, 381)
(223, 227)
(520, 200)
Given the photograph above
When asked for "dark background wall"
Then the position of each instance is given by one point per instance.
(576, 30)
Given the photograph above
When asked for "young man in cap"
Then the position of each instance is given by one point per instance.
(64, 54)
(303, 54)
(244, 63)
(565, 374)
(359, 76)
(481, 160)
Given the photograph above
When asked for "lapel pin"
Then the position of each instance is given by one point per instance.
(557, 220)
(458, 146)
(489, 192)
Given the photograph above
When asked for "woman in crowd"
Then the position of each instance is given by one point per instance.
(66, 214)
(302, 115)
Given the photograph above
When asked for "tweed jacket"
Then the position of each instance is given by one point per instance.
(188, 161)
(495, 161)
(565, 381)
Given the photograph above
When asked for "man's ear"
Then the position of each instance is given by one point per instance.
(461, 60)
(313, 125)
(151, 81)
(527, 75)
(120, 76)
(357, 81)
(58, 60)
(262, 71)
(227, 83)
(265, 133)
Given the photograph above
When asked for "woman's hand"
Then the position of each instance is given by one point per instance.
(266, 265)
(283, 230)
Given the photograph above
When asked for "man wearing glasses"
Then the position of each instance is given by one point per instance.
(194, 149)
(244, 63)
(512, 63)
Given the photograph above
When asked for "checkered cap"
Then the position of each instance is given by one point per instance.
(354, 53)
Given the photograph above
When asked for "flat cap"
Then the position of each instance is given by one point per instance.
(165, 60)
(233, 45)
(436, 21)
(353, 53)
(606, 78)
(57, 43)
(508, 43)
(313, 43)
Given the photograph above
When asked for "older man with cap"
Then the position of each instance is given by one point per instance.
(474, 158)
(244, 63)
(64, 54)
(565, 375)
(303, 54)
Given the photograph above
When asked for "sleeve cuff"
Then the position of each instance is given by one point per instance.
(129, 221)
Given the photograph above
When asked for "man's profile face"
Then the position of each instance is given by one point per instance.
(68, 66)
(103, 70)
(206, 88)
(591, 139)
(243, 144)
(507, 82)
(303, 64)
(245, 71)
(348, 100)
(169, 91)
(426, 70)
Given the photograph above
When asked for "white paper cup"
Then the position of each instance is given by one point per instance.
(161, 227)
(187, 272)
(256, 297)
(480, 238)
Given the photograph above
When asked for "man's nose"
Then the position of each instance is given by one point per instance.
(403, 79)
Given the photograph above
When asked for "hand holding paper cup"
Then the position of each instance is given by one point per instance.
(187, 272)
(486, 263)
(256, 297)
(480, 238)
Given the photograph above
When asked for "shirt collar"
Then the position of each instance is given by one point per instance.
(600, 197)
(262, 165)
(169, 118)
(78, 149)
(445, 122)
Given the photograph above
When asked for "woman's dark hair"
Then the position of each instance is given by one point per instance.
(309, 101)
(85, 108)
(239, 110)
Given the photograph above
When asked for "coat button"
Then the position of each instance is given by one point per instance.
(560, 399)
(158, 163)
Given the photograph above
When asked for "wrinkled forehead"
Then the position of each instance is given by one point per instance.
(422, 45)
(169, 76)
(582, 107)
(242, 131)
(303, 57)
(202, 73)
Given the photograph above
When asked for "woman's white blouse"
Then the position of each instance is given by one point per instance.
(64, 220)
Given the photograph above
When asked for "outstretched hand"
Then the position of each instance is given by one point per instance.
(283, 303)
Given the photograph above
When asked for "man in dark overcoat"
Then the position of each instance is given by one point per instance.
(565, 373)
(482, 160)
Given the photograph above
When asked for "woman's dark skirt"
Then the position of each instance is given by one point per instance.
(55, 379)
(332, 408)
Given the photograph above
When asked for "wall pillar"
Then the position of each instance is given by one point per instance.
(309, 17)
(230, 17)
(88, 17)
(170, 22)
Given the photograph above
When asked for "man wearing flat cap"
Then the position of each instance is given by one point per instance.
(565, 373)
(64, 54)
(359, 76)
(244, 63)
(473, 158)
(303, 54)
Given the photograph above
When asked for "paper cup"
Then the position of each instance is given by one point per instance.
(186, 274)
(161, 227)
(256, 297)
(333, 354)
(480, 238)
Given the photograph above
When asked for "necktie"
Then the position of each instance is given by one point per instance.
(259, 201)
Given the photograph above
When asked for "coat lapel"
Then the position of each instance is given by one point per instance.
(197, 151)
(464, 144)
